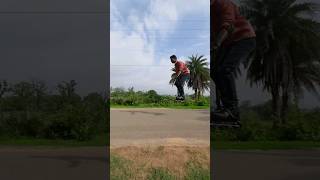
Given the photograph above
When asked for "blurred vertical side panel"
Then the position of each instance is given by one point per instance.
(54, 89)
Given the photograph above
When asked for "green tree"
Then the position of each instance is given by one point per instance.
(23, 93)
(67, 91)
(199, 75)
(4, 88)
(39, 88)
(287, 56)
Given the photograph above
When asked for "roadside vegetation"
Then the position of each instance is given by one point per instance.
(302, 125)
(29, 111)
(121, 97)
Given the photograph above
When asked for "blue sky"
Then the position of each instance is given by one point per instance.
(144, 33)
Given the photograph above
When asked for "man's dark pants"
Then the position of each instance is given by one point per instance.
(181, 80)
(228, 61)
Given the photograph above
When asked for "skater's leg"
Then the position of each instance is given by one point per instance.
(220, 54)
(177, 84)
(226, 75)
(184, 78)
(179, 87)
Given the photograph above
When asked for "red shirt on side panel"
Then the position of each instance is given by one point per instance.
(226, 13)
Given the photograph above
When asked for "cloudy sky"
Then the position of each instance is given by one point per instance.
(144, 33)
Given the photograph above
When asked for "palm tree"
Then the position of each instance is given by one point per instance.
(199, 75)
(287, 55)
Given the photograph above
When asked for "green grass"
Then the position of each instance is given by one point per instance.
(265, 145)
(101, 140)
(160, 173)
(122, 169)
(196, 171)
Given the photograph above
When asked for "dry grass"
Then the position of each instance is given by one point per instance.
(174, 159)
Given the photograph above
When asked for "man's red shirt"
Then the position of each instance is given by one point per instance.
(225, 13)
(181, 66)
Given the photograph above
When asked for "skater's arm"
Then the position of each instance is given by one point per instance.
(178, 74)
(222, 36)
(178, 69)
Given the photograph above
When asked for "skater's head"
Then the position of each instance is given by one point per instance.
(173, 58)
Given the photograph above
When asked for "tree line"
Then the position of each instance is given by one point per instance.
(28, 109)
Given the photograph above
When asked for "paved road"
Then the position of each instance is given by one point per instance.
(267, 165)
(91, 164)
(159, 126)
(17, 163)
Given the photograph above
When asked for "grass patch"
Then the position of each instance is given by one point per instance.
(162, 163)
(123, 169)
(160, 173)
(100, 140)
(264, 145)
(196, 171)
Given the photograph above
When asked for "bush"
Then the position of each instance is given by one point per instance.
(200, 103)
(72, 123)
(32, 127)
(301, 125)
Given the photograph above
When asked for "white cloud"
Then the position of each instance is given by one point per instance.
(133, 43)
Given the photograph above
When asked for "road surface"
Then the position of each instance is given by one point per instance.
(159, 127)
(30, 163)
(267, 165)
(91, 163)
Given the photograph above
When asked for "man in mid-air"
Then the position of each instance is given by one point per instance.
(182, 75)
(232, 39)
